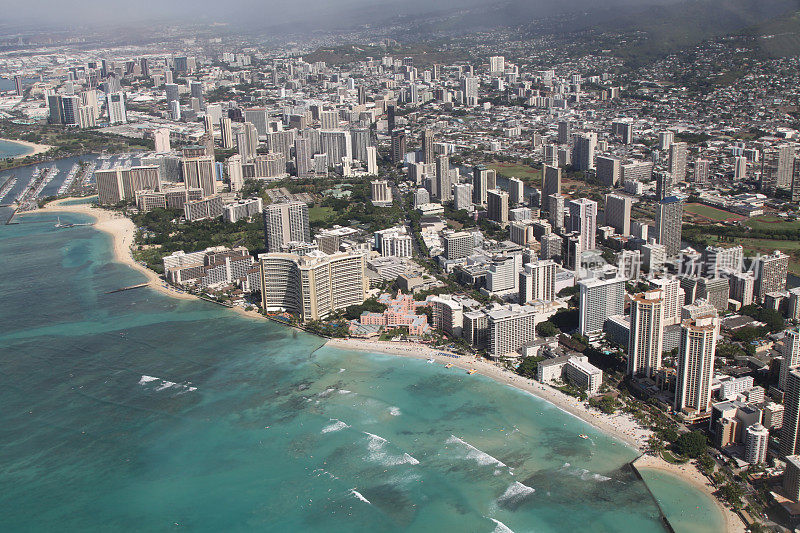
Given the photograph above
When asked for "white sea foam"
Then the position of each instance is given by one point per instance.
(338, 425)
(326, 393)
(161, 384)
(515, 493)
(500, 527)
(359, 496)
(481, 457)
(344, 391)
(394, 411)
(378, 453)
(166, 385)
(582, 473)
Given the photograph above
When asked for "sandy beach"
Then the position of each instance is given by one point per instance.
(690, 474)
(620, 426)
(123, 232)
(37, 148)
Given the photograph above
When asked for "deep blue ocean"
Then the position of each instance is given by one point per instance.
(133, 411)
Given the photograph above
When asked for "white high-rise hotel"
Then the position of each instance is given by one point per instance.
(647, 333)
(696, 364)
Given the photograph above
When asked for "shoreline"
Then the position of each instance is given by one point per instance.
(37, 148)
(618, 426)
(691, 475)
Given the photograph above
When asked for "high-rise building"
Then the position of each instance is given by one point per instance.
(646, 339)
(444, 181)
(115, 103)
(200, 173)
(516, 191)
(791, 356)
(427, 147)
(512, 327)
(791, 477)
(742, 286)
(583, 148)
(172, 92)
(372, 160)
(18, 85)
(226, 133)
(161, 140)
(302, 155)
(618, 213)
(480, 184)
(695, 368)
(669, 223)
(740, 168)
(284, 223)
(469, 86)
(381, 192)
(677, 161)
(599, 299)
(665, 139)
(776, 168)
(447, 315)
(770, 272)
(609, 170)
(756, 440)
(673, 296)
(313, 285)
(701, 171)
(398, 147)
(555, 204)
(458, 245)
(497, 201)
(551, 183)
(791, 415)
(583, 220)
(537, 281)
(497, 65)
(564, 132)
(196, 91)
(462, 196)
(233, 169)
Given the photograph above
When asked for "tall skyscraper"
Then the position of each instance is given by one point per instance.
(791, 415)
(116, 108)
(701, 171)
(551, 183)
(665, 139)
(564, 132)
(618, 213)
(583, 220)
(770, 273)
(646, 339)
(609, 170)
(444, 183)
(480, 184)
(497, 201)
(695, 368)
(776, 168)
(583, 148)
(398, 147)
(161, 140)
(469, 86)
(791, 356)
(516, 191)
(555, 204)
(233, 169)
(677, 161)
(497, 65)
(200, 173)
(428, 156)
(18, 85)
(172, 92)
(286, 222)
(669, 222)
(537, 281)
(226, 133)
(599, 299)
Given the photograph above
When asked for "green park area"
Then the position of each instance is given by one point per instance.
(520, 171)
(711, 213)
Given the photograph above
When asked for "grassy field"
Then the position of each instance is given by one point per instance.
(711, 213)
(772, 222)
(319, 214)
(515, 170)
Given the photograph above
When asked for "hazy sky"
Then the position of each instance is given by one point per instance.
(254, 13)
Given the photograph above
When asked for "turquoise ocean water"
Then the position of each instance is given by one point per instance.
(137, 412)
